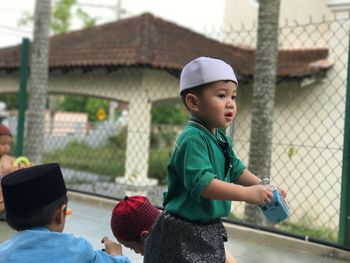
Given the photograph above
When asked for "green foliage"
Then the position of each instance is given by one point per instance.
(169, 114)
(93, 105)
(163, 136)
(84, 104)
(158, 162)
(105, 160)
(62, 16)
(11, 101)
(87, 20)
(120, 140)
(108, 159)
(303, 227)
(306, 229)
(291, 151)
(74, 103)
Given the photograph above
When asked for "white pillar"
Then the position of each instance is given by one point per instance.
(138, 143)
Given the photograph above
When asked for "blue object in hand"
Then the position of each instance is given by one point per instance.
(275, 211)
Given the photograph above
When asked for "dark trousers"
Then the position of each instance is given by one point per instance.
(174, 239)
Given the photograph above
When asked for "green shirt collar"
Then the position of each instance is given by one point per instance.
(197, 122)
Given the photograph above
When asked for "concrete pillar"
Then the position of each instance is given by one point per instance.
(138, 143)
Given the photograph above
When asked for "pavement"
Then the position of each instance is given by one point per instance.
(103, 185)
(91, 215)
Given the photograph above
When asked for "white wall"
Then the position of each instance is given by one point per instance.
(244, 14)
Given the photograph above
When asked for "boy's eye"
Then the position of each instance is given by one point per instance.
(221, 96)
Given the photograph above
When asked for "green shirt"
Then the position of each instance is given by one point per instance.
(197, 159)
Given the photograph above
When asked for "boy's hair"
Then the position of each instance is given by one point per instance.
(22, 220)
(32, 195)
(195, 90)
(4, 131)
(131, 216)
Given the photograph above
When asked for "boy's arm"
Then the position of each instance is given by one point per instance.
(112, 247)
(112, 253)
(255, 194)
(247, 178)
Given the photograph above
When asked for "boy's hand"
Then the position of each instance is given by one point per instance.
(282, 191)
(112, 247)
(259, 194)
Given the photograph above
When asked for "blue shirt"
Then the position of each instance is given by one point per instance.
(41, 245)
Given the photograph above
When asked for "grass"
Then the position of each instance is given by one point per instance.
(304, 228)
(321, 233)
(107, 160)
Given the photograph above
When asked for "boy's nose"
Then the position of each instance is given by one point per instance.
(231, 105)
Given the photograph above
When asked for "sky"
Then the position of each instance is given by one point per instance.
(198, 15)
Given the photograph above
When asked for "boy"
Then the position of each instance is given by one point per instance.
(36, 203)
(204, 174)
(132, 220)
(6, 161)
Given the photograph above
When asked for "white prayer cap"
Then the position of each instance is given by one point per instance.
(205, 70)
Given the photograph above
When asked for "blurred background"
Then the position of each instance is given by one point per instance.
(112, 111)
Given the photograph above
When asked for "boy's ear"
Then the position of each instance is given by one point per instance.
(143, 235)
(192, 102)
(60, 214)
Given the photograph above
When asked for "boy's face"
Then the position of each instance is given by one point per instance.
(5, 144)
(216, 105)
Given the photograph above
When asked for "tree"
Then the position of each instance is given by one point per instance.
(62, 15)
(169, 114)
(38, 82)
(263, 95)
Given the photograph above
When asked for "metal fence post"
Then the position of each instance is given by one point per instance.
(344, 222)
(22, 95)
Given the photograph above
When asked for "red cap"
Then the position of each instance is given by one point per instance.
(5, 131)
(131, 216)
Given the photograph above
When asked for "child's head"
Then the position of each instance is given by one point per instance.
(5, 140)
(132, 219)
(35, 196)
(208, 88)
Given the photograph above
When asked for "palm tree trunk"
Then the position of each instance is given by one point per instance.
(38, 82)
(263, 95)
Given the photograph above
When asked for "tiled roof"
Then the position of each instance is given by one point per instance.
(150, 41)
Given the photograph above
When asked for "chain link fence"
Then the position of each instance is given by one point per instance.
(113, 129)
(307, 142)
